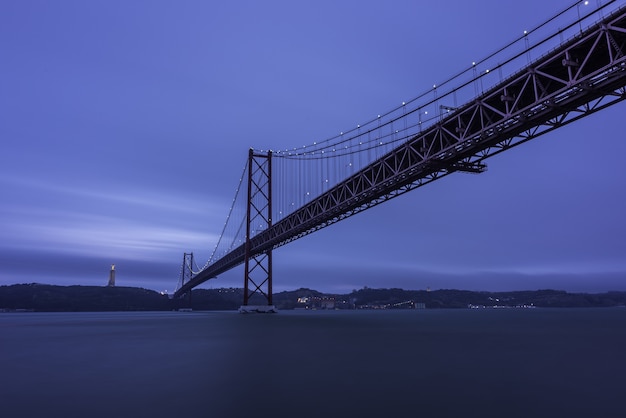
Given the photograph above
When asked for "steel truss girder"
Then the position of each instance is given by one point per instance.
(578, 78)
(536, 100)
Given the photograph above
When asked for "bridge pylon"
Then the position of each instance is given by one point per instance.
(186, 274)
(257, 296)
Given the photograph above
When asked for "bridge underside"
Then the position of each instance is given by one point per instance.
(582, 76)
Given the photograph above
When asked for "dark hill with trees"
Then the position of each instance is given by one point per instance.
(50, 298)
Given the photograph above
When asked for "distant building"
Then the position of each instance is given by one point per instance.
(112, 276)
(316, 302)
(327, 303)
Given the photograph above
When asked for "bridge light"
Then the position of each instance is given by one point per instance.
(473, 63)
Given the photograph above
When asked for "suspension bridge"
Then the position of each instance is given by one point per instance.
(568, 67)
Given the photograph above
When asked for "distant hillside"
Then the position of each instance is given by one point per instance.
(50, 298)
(391, 298)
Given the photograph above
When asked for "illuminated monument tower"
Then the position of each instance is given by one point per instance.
(112, 276)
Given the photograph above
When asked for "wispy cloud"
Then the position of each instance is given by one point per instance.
(74, 232)
(162, 200)
(114, 238)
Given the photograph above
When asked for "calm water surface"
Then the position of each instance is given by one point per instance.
(429, 363)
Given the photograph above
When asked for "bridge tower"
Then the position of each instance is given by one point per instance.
(258, 265)
(186, 274)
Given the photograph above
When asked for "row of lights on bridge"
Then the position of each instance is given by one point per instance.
(289, 152)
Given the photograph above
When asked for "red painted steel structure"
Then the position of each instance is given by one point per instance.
(580, 77)
(186, 273)
(259, 209)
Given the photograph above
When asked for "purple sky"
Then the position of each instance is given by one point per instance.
(125, 125)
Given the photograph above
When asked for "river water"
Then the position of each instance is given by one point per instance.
(429, 363)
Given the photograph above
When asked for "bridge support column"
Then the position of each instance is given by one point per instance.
(186, 273)
(257, 296)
